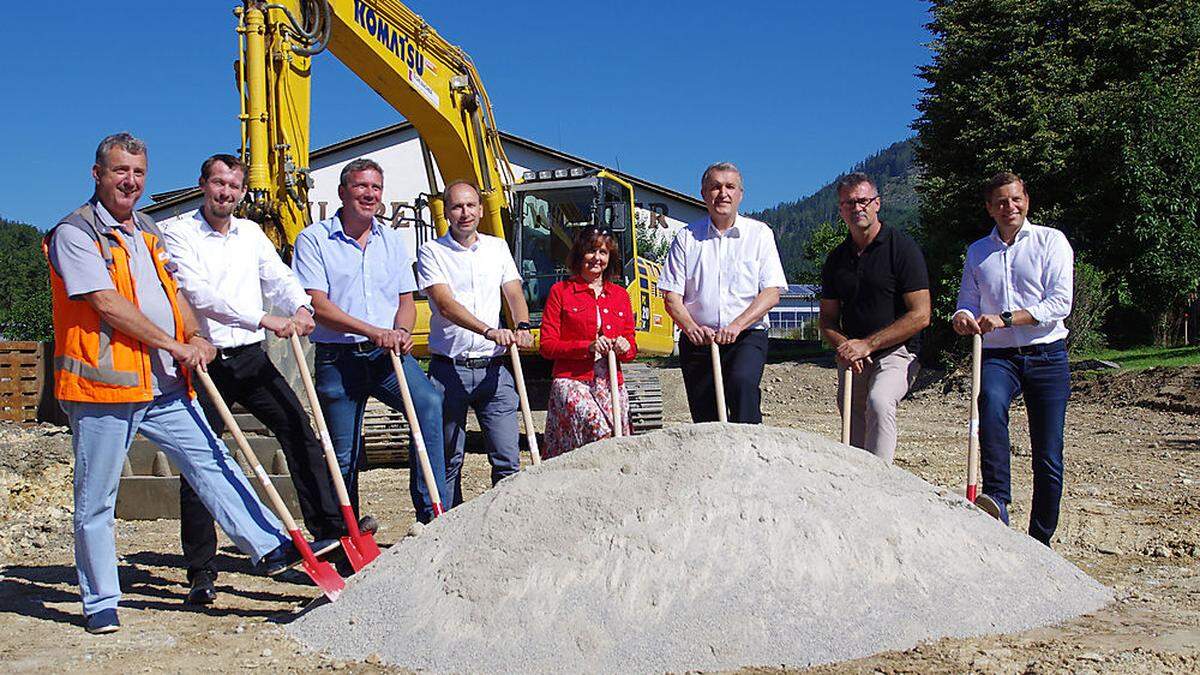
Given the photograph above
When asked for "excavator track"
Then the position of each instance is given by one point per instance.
(645, 397)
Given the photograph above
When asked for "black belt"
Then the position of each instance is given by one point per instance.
(1027, 350)
(230, 352)
(479, 362)
(356, 347)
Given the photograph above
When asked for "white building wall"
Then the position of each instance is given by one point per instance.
(399, 153)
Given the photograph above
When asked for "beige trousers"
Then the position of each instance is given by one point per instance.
(876, 392)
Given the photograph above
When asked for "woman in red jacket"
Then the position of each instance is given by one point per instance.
(586, 316)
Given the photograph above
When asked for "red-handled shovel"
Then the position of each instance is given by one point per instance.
(360, 547)
(973, 426)
(418, 441)
(974, 495)
(322, 573)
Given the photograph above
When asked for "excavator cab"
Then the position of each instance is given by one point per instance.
(552, 207)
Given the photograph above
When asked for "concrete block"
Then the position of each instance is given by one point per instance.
(153, 497)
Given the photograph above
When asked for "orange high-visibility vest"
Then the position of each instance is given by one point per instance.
(94, 362)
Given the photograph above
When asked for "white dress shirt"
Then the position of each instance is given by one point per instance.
(719, 275)
(1035, 274)
(226, 276)
(474, 276)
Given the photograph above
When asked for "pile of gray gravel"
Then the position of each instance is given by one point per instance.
(699, 547)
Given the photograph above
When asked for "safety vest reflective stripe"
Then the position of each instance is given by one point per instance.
(117, 378)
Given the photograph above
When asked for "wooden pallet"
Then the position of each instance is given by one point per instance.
(21, 380)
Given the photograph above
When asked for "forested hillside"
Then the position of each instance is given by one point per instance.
(24, 286)
(893, 170)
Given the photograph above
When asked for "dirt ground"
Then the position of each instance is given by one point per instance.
(1130, 519)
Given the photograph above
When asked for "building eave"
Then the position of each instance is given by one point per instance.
(169, 198)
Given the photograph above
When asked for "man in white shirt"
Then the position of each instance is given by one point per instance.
(464, 273)
(225, 266)
(1016, 292)
(721, 277)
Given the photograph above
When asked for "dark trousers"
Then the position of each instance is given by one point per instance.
(346, 376)
(1044, 379)
(250, 379)
(742, 367)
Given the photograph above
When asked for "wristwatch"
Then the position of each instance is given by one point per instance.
(1006, 317)
(524, 325)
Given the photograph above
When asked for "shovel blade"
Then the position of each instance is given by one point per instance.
(359, 546)
(322, 573)
(365, 543)
(325, 577)
(360, 550)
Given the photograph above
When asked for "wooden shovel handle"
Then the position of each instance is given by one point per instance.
(718, 382)
(418, 440)
(335, 471)
(526, 411)
(973, 427)
(847, 401)
(247, 453)
(614, 394)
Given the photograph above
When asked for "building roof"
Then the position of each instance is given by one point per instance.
(802, 290)
(172, 197)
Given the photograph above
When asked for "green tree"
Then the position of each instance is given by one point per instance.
(652, 243)
(1094, 104)
(823, 239)
(25, 312)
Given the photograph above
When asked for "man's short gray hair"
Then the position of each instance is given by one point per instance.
(451, 186)
(123, 140)
(853, 180)
(720, 166)
(361, 164)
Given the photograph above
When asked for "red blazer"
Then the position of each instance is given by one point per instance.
(569, 326)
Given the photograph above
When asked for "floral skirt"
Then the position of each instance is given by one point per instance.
(581, 412)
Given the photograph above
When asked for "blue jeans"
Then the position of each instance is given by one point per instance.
(1046, 383)
(492, 394)
(101, 434)
(345, 378)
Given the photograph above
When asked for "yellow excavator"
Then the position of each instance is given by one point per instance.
(435, 86)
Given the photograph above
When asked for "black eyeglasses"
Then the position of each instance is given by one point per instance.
(602, 230)
(859, 203)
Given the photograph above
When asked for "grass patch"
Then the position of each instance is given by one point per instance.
(1140, 358)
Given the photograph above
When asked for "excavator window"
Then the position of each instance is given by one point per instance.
(550, 218)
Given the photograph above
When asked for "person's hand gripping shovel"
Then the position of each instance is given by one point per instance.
(359, 546)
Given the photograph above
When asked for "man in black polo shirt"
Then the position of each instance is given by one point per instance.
(874, 303)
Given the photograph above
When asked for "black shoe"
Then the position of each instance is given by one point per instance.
(368, 525)
(286, 556)
(104, 621)
(281, 558)
(203, 592)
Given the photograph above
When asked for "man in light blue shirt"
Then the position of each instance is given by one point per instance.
(1016, 292)
(359, 275)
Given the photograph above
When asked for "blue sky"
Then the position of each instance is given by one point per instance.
(793, 92)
